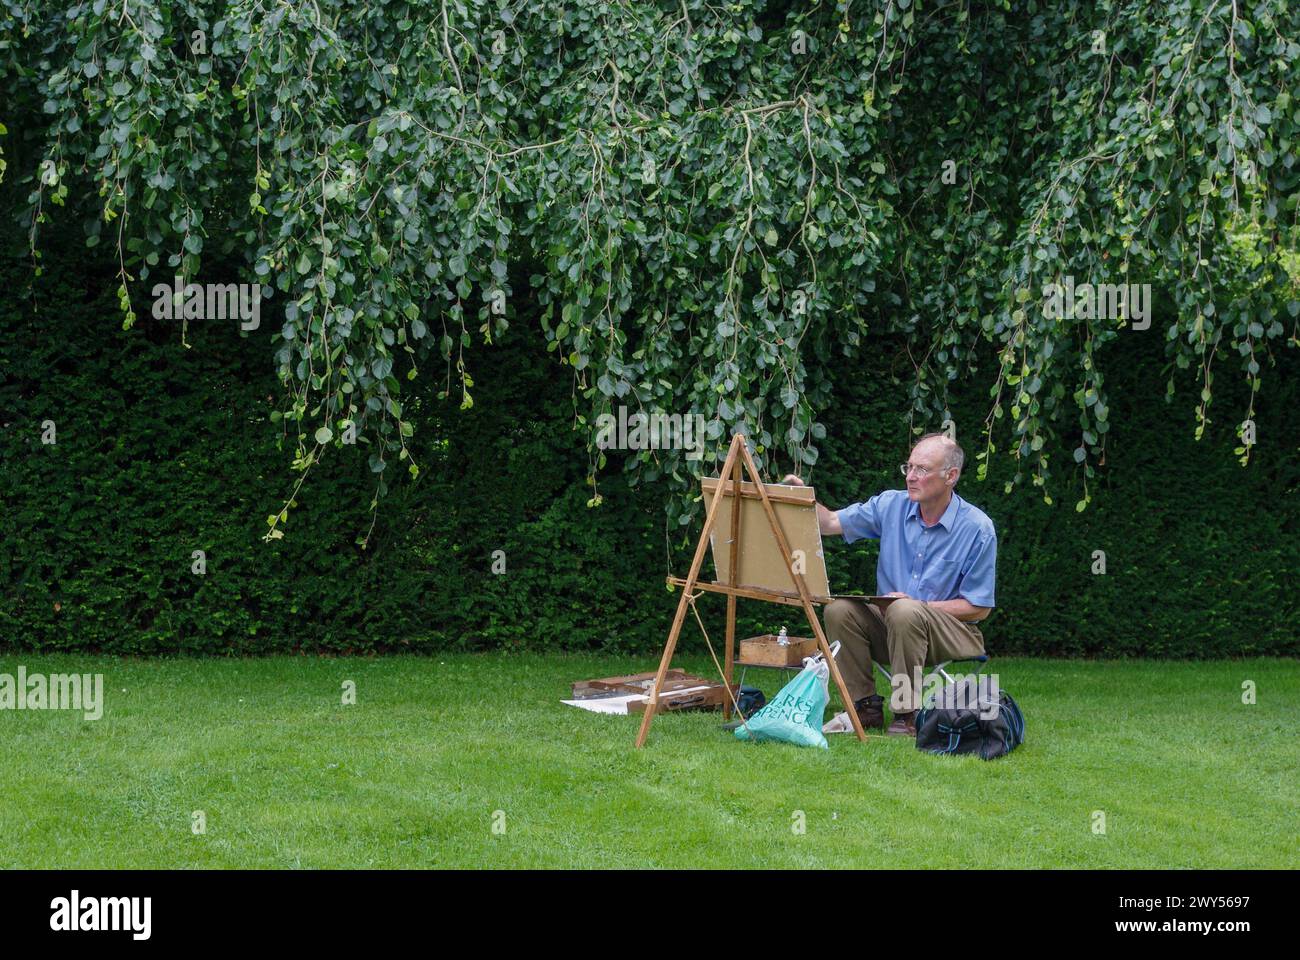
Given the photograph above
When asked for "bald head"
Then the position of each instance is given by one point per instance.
(942, 452)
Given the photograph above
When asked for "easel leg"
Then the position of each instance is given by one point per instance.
(731, 647)
(664, 662)
(835, 671)
(737, 444)
(731, 598)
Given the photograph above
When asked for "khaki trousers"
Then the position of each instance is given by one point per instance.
(909, 635)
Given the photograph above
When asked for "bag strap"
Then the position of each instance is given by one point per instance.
(955, 733)
(817, 658)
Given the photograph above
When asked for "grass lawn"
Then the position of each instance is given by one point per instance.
(411, 775)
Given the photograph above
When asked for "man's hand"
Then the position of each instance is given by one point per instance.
(827, 520)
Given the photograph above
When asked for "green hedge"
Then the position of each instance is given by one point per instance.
(164, 450)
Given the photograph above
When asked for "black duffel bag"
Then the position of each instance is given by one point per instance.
(965, 717)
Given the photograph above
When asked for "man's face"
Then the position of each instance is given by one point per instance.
(929, 457)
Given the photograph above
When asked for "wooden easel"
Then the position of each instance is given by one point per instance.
(737, 455)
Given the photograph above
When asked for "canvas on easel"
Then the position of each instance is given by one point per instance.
(769, 559)
(759, 563)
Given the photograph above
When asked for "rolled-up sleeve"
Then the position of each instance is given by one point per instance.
(979, 571)
(860, 520)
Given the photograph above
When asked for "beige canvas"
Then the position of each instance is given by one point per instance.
(760, 562)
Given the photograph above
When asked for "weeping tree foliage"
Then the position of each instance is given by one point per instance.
(713, 208)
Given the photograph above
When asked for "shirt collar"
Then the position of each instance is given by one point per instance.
(946, 521)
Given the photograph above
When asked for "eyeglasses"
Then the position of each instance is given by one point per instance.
(921, 472)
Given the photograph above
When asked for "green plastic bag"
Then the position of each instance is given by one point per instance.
(795, 714)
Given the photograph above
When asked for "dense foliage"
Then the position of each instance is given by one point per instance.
(162, 451)
(720, 208)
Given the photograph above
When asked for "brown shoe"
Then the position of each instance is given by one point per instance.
(871, 712)
(904, 725)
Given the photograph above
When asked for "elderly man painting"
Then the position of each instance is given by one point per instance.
(939, 554)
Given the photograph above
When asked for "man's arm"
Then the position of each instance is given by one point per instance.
(827, 520)
(961, 608)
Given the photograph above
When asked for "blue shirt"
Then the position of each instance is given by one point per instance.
(957, 557)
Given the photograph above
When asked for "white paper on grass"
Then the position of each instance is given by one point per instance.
(605, 704)
(618, 705)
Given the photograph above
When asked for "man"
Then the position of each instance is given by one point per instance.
(938, 553)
